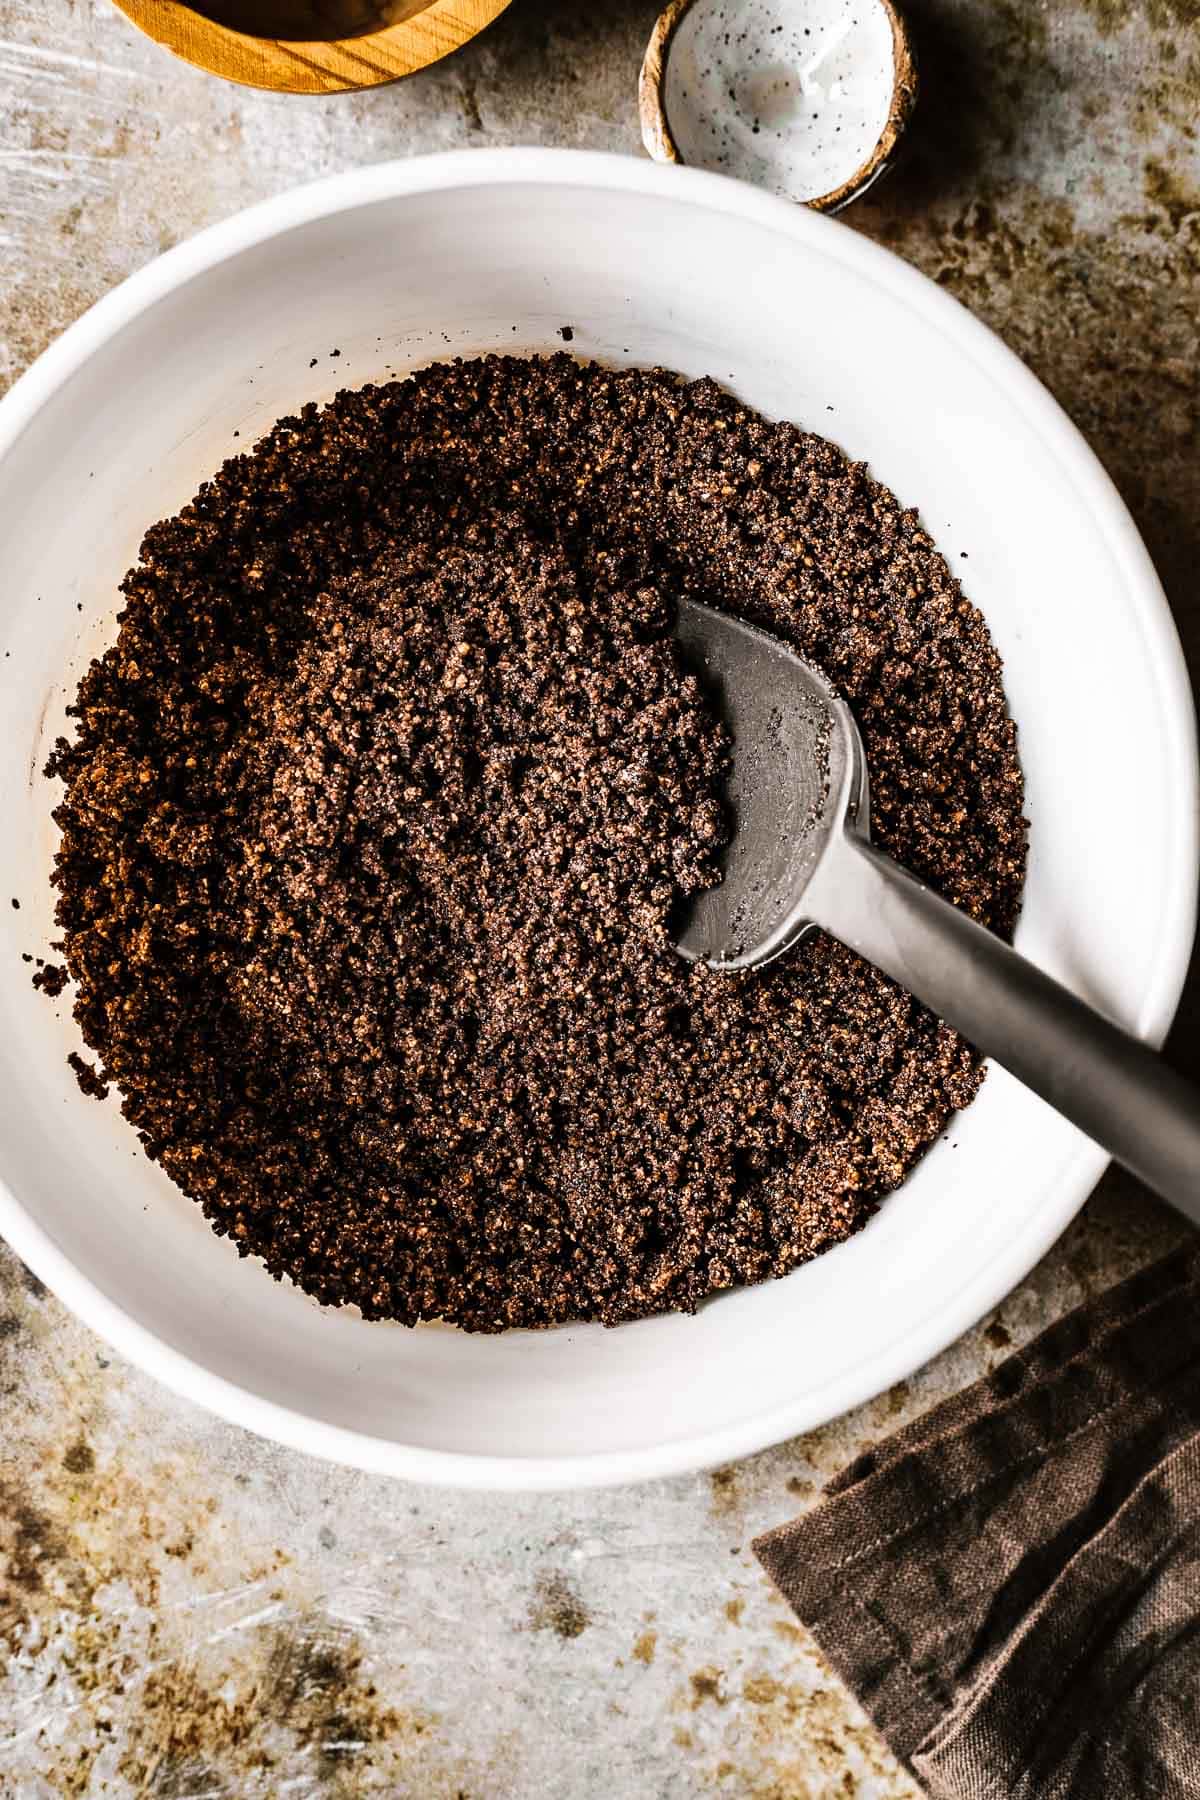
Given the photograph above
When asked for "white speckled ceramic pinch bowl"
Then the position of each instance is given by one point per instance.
(808, 99)
(398, 265)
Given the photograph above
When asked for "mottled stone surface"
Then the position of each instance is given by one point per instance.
(188, 1612)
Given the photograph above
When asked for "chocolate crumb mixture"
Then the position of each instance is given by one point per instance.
(378, 812)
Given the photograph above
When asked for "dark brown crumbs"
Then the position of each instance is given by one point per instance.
(378, 810)
(91, 1082)
(52, 978)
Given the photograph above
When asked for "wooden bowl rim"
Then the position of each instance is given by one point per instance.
(660, 142)
(319, 65)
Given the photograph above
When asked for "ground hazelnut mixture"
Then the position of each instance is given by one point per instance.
(378, 812)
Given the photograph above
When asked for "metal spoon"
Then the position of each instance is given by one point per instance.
(801, 857)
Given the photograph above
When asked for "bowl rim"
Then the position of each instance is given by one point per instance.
(466, 169)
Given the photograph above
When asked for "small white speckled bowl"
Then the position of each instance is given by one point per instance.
(806, 98)
(398, 265)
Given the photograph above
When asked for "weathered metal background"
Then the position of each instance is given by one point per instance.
(190, 1614)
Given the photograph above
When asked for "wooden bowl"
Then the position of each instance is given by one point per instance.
(328, 46)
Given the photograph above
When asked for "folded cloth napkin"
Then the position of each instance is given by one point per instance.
(1011, 1585)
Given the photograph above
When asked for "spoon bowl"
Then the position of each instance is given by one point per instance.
(799, 777)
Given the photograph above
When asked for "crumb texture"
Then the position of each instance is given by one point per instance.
(377, 812)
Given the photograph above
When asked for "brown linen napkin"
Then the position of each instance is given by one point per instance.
(1011, 1585)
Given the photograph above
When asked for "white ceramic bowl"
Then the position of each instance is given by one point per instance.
(394, 266)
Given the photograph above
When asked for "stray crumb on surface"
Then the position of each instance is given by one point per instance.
(558, 1608)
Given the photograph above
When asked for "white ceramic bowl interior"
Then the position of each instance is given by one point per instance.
(401, 264)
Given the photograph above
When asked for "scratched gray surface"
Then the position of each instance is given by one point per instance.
(187, 1612)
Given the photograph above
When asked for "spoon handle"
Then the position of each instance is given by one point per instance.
(1098, 1076)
